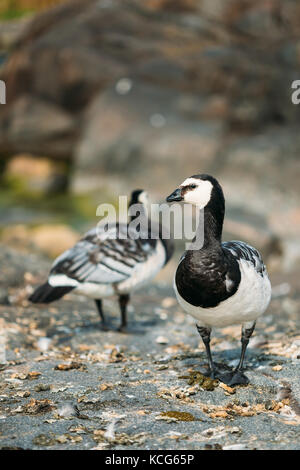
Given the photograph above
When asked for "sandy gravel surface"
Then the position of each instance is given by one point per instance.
(68, 385)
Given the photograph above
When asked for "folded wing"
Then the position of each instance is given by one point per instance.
(104, 257)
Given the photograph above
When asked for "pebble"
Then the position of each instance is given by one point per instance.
(235, 447)
(123, 86)
(42, 388)
(162, 340)
(43, 344)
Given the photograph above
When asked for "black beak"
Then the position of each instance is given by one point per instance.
(175, 196)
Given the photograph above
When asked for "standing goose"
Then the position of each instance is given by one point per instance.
(116, 261)
(220, 283)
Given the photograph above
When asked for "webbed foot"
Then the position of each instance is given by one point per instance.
(217, 372)
(123, 329)
(103, 326)
(130, 330)
(236, 377)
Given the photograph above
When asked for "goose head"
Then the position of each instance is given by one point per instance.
(199, 190)
(139, 196)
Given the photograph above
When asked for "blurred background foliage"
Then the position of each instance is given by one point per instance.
(107, 95)
(10, 9)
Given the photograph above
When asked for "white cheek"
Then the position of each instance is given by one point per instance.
(143, 199)
(199, 196)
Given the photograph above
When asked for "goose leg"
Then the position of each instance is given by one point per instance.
(103, 323)
(123, 301)
(205, 335)
(237, 376)
(214, 371)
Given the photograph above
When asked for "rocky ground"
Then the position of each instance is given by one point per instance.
(65, 384)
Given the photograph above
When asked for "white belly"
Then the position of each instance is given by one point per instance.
(89, 289)
(144, 272)
(246, 305)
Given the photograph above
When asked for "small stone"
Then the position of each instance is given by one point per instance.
(168, 302)
(163, 367)
(157, 120)
(44, 440)
(235, 430)
(23, 394)
(123, 86)
(235, 447)
(162, 340)
(38, 406)
(219, 414)
(71, 366)
(43, 344)
(33, 375)
(62, 439)
(229, 390)
(42, 388)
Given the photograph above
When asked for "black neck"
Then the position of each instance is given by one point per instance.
(213, 226)
(209, 230)
(142, 212)
(157, 228)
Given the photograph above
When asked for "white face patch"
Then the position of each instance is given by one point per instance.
(200, 196)
(143, 198)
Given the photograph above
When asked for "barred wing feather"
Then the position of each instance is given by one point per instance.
(104, 257)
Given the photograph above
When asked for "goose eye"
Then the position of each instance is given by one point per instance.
(193, 186)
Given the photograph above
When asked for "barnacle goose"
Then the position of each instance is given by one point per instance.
(219, 283)
(114, 261)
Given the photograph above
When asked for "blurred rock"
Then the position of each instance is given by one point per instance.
(238, 58)
(27, 166)
(33, 124)
(35, 175)
(50, 239)
(126, 91)
(10, 31)
(16, 236)
(54, 239)
(4, 298)
(43, 344)
(160, 137)
(15, 265)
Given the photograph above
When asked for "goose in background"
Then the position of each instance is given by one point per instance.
(115, 261)
(219, 283)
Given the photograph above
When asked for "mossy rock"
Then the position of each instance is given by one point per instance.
(198, 378)
(178, 415)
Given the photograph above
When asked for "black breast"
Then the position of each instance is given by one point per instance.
(205, 278)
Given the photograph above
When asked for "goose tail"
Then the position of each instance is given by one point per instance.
(46, 293)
